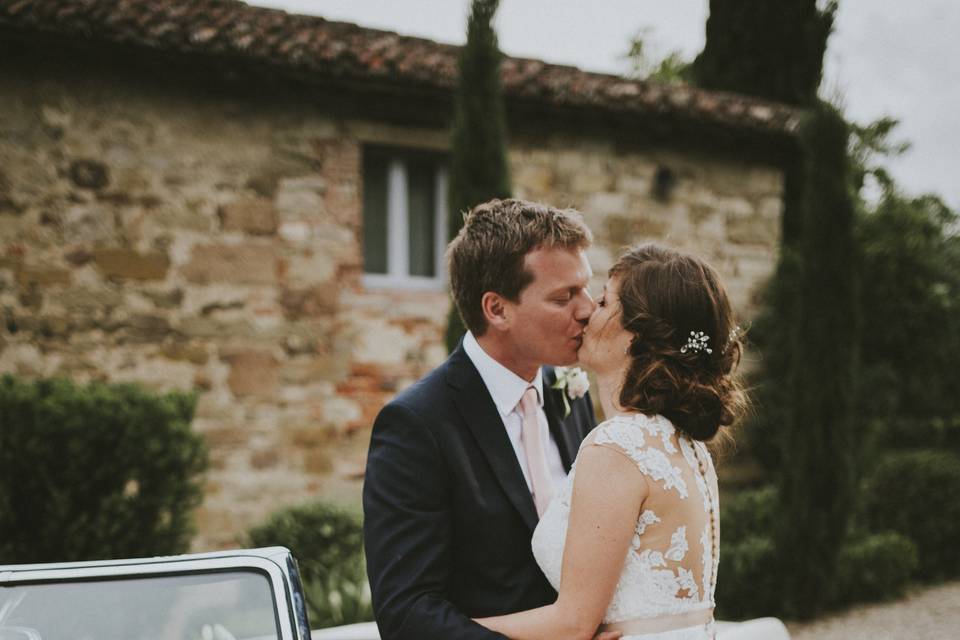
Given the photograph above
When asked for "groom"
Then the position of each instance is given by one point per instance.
(461, 463)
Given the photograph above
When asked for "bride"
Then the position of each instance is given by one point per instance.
(631, 541)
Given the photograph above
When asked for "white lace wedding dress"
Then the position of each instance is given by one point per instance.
(666, 588)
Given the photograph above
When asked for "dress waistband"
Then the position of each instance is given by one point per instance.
(640, 626)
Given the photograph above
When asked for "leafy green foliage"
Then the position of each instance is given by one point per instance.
(479, 170)
(868, 144)
(97, 471)
(749, 583)
(911, 289)
(917, 494)
(647, 64)
(875, 567)
(773, 50)
(751, 574)
(748, 512)
(328, 544)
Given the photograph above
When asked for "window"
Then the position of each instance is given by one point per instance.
(404, 218)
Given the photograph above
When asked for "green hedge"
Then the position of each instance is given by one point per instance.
(96, 471)
(747, 513)
(930, 433)
(749, 583)
(877, 567)
(917, 494)
(328, 544)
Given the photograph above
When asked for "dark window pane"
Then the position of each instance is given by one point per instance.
(375, 214)
(421, 208)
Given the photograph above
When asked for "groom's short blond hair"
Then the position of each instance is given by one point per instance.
(488, 254)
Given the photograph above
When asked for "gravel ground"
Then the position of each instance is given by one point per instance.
(928, 614)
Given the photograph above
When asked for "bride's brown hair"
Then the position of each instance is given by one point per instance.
(664, 296)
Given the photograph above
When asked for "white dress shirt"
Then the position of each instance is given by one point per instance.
(506, 388)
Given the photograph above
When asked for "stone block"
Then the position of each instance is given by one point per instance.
(127, 264)
(320, 300)
(341, 412)
(633, 185)
(536, 181)
(607, 203)
(254, 264)
(207, 327)
(753, 230)
(165, 299)
(256, 216)
(296, 232)
(265, 459)
(186, 351)
(144, 327)
(253, 372)
(307, 436)
(309, 267)
(30, 296)
(308, 369)
(298, 199)
(85, 300)
(317, 461)
(42, 276)
(89, 174)
(585, 182)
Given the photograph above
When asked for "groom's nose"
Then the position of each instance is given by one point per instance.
(585, 307)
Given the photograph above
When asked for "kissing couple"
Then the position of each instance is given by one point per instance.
(495, 506)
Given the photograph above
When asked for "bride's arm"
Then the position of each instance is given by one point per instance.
(607, 495)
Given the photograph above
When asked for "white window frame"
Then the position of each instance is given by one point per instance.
(398, 231)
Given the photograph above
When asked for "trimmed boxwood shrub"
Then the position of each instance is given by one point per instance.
(877, 567)
(749, 512)
(96, 471)
(749, 582)
(328, 544)
(928, 433)
(917, 494)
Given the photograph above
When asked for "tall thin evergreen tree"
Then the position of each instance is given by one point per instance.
(809, 332)
(773, 50)
(478, 166)
(817, 483)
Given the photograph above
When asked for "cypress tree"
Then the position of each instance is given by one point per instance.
(772, 50)
(817, 484)
(808, 333)
(478, 166)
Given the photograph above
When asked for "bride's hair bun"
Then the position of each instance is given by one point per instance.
(685, 345)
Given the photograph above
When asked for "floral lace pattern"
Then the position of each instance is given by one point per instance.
(652, 461)
(665, 573)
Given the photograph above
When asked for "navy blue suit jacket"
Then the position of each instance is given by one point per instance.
(447, 513)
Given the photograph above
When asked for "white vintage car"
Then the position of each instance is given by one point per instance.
(246, 594)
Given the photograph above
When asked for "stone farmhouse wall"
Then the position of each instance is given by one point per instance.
(191, 240)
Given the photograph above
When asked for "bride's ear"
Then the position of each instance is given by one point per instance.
(495, 310)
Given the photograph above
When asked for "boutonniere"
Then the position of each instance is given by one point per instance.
(573, 382)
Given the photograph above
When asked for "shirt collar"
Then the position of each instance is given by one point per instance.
(505, 387)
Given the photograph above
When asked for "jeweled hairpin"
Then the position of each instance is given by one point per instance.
(697, 342)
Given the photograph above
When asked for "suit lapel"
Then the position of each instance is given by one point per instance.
(482, 418)
(553, 408)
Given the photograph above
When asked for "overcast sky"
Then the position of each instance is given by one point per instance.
(886, 57)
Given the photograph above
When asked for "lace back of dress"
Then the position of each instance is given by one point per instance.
(677, 536)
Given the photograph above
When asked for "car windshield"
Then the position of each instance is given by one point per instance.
(224, 605)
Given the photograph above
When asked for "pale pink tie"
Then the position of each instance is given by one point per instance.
(536, 453)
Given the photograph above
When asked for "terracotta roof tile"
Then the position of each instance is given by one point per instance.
(342, 50)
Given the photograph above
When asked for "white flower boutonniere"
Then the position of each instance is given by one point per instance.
(574, 382)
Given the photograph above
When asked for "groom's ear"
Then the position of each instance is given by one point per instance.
(495, 310)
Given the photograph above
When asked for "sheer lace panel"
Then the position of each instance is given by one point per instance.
(672, 563)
